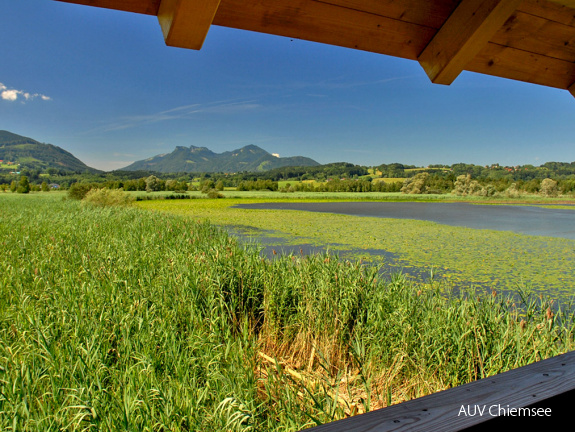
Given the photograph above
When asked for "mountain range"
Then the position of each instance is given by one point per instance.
(201, 159)
(32, 154)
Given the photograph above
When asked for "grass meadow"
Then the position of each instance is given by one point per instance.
(122, 318)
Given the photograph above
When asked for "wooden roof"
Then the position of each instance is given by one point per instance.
(525, 40)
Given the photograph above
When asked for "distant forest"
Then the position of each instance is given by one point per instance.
(342, 176)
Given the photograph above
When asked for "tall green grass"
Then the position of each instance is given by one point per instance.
(124, 319)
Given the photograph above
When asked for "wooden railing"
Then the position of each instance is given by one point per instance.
(534, 397)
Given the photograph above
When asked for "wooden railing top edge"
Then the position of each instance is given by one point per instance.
(445, 410)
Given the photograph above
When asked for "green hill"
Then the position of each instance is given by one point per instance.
(29, 153)
(250, 158)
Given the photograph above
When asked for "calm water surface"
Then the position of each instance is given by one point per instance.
(520, 219)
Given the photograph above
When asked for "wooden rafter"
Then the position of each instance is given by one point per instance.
(185, 23)
(529, 40)
(572, 89)
(465, 33)
(147, 7)
(567, 3)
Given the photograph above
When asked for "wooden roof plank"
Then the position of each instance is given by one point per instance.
(535, 34)
(520, 65)
(468, 29)
(537, 44)
(147, 7)
(427, 13)
(323, 22)
(185, 23)
(549, 11)
(567, 3)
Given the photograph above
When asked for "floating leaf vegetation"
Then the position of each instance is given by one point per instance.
(463, 256)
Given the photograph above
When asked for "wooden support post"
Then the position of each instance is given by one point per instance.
(462, 36)
(185, 23)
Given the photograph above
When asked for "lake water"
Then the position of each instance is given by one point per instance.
(528, 220)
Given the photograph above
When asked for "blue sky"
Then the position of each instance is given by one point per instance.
(103, 85)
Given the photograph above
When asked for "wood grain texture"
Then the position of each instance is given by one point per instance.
(324, 22)
(147, 7)
(516, 388)
(520, 65)
(425, 13)
(567, 3)
(468, 29)
(549, 11)
(185, 23)
(536, 44)
(538, 35)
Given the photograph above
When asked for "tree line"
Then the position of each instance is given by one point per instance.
(459, 179)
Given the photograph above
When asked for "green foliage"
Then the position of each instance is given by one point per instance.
(176, 186)
(117, 318)
(207, 185)
(35, 155)
(213, 193)
(78, 191)
(258, 185)
(154, 184)
(23, 185)
(549, 187)
(462, 255)
(512, 191)
(465, 186)
(108, 197)
(416, 184)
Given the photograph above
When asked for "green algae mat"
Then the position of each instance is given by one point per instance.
(486, 259)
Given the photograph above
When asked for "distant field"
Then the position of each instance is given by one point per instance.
(388, 180)
(425, 169)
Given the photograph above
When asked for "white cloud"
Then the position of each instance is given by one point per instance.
(10, 95)
(13, 94)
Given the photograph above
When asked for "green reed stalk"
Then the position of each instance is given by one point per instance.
(124, 319)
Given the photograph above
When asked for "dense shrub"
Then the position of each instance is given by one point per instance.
(78, 191)
(548, 188)
(416, 184)
(213, 193)
(108, 197)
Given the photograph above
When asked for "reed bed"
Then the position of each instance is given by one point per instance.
(124, 319)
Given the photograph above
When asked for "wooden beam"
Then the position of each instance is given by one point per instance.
(185, 23)
(324, 22)
(572, 89)
(536, 384)
(537, 35)
(507, 62)
(566, 3)
(464, 34)
(148, 7)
